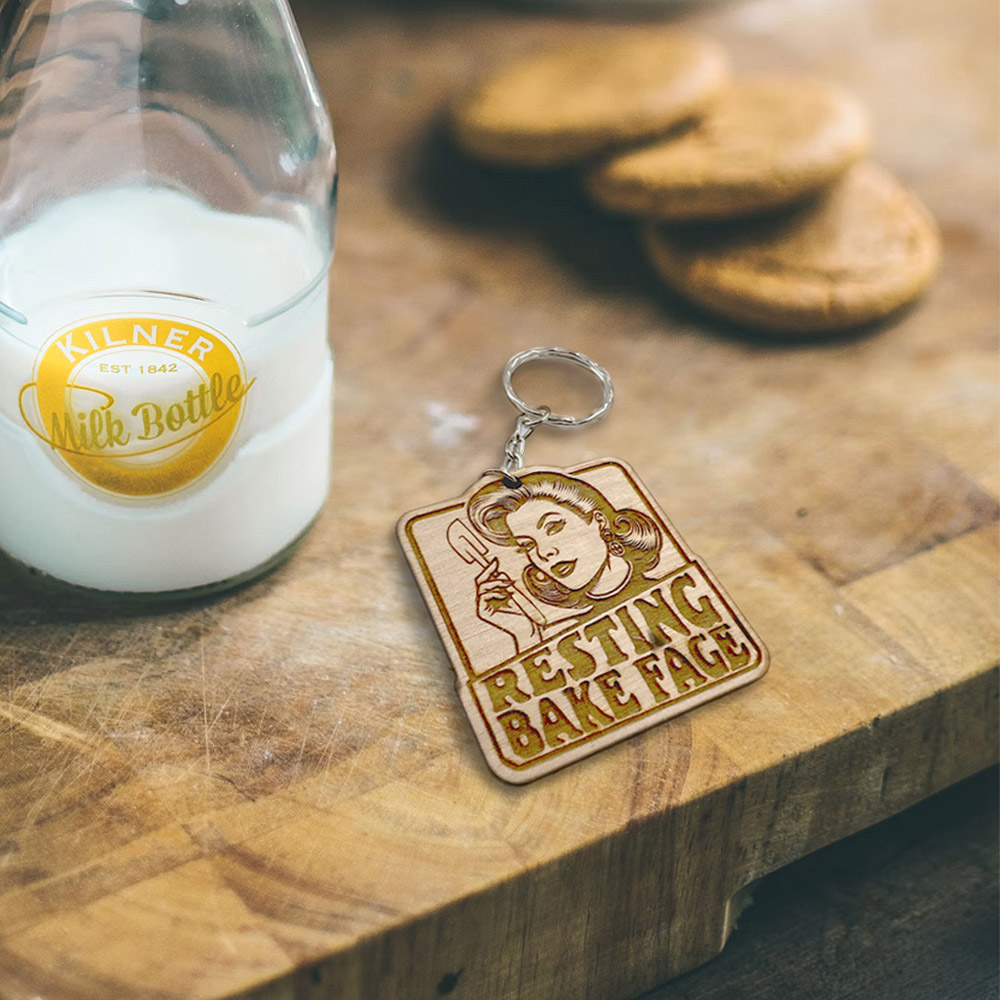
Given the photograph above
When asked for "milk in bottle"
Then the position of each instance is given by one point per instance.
(165, 233)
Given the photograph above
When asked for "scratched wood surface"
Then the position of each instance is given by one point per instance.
(275, 794)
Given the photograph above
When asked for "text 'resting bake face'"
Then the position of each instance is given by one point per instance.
(560, 542)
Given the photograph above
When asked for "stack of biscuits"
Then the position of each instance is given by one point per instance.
(754, 196)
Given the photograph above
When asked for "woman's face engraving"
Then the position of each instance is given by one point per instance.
(560, 542)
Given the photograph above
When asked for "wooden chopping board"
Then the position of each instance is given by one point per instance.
(275, 793)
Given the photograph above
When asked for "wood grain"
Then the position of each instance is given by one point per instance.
(275, 794)
(906, 908)
(548, 677)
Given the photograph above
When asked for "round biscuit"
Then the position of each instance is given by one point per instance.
(764, 142)
(564, 105)
(853, 254)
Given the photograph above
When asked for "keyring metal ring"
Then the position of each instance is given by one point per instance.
(558, 354)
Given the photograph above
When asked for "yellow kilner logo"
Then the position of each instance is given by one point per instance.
(137, 406)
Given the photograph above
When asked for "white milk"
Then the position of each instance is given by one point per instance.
(165, 391)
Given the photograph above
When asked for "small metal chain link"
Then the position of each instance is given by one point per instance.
(514, 448)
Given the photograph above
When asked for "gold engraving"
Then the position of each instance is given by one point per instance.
(573, 613)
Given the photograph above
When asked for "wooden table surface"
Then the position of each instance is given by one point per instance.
(903, 910)
(275, 793)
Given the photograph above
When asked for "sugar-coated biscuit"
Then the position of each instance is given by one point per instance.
(854, 253)
(566, 104)
(764, 142)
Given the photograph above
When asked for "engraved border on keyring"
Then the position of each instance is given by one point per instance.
(458, 503)
(558, 354)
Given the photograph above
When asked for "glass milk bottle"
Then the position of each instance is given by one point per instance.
(167, 186)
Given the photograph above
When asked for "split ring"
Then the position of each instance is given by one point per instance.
(541, 413)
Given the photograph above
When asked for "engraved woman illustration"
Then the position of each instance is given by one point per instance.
(582, 554)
